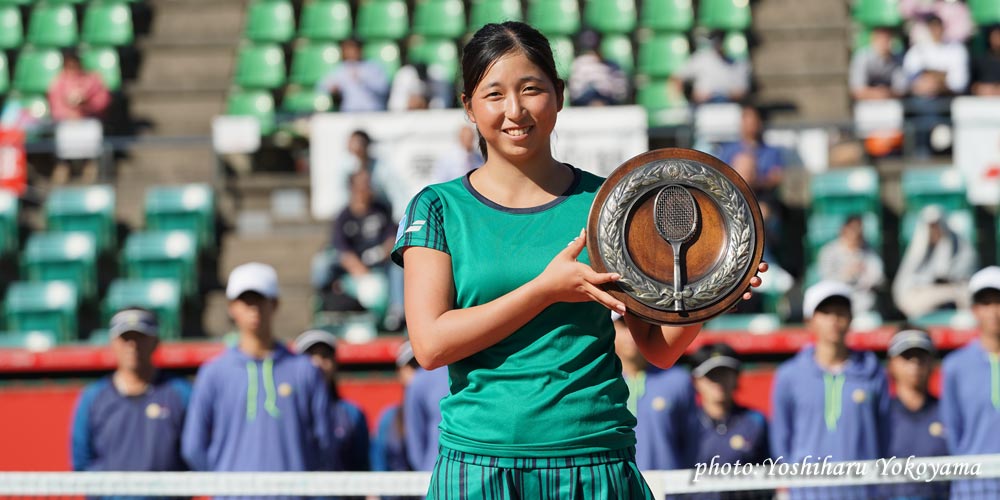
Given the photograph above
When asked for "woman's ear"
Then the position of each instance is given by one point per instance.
(467, 104)
(560, 93)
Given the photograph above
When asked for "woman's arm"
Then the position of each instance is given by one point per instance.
(441, 335)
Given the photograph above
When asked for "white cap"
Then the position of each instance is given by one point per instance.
(312, 337)
(987, 277)
(252, 277)
(133, 320)
(816, 294)
(910, 339)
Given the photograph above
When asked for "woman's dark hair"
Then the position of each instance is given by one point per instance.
(494, 41)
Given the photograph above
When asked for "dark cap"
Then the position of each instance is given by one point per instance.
(712, 356)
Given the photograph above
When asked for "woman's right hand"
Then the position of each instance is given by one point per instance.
(566, 279)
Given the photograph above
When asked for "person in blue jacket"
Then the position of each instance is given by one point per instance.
(667, 429)
(257, 406)
(829, 402)
(348, 426)
(388, 451)
(422, 416)
(131, 420)
(917, 430)
(970, 391)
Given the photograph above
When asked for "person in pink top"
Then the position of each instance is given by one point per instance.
(76, 93)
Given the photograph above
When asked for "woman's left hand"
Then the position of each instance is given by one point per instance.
(755, 281)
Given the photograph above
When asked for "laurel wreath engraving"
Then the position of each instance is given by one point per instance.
(700, 293)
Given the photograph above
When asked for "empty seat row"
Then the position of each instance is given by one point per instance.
(105, 23)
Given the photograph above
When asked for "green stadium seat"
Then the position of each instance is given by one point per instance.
(260, 67)
(16, 2)
(554, 17)
(270, 21)
(32, 341)
(382, 20)
(256, 103)
(563, 52)
(871, 13)
(327, 20)
(961, 320)
(45, 306)
(90, 209)
(35, 105)
(735, 45)
(62, 256)
(188, 208)
(846, 191)
(305, 101)
(610, 16)
(36, 67)
(384, 52)
(311, 61)
(436, 52)
(618, 49)
(162, 296)
(675, 16)
(439, 18)
(53, 25)
(744, 322)
(10, 209)
(663, 107)
(729, 15)
(662, 54)
(163, 254)
(108, 24)
(105, 62)
(821, 228)
(961, 220)
(4, 74)
(483, 12)
(943, 186)
(985, 12)
(11, 27)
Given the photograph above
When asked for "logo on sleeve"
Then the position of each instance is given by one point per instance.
(416, 226)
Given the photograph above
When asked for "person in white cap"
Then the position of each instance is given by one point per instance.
(257, 406)
(389, 445)
(829, 400)
(935, 269)
(347, 423)
(970, 388)
(135, 404)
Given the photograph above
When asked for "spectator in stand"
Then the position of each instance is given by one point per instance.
(422, 416)
(916, 423)
(955, 16)
(461, 159)
(389, 447)
(419, 86)
(851, 260)
(935, 268)
(877, 70)
(768, 164)
(986, 66)
(132, 419)
(76, 93)
(935, 67)
(970, 387)
(257, 406)
(830, 401)
(360, 85)
(594, 80)
(663, 403)
(715, 77)
(348, 428)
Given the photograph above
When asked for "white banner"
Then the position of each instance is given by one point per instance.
(977, 146)
(407, 146)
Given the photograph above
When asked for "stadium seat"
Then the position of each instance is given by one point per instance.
(327, 20)
(90, 209)
(260, 67)
(554, 17)
(662, 54)
(270, 21)
(563, 52)
(162, 296)
(108, 24)
(62, 256)
(821, 228)
(305, 101)
(735, 45)
(256, 103)
(163, 254)
(105, 62)
(985, 12)
(961, 320)
(846, 190)
(618, 49)
(36, 67)
(663, 107)
(729, 15)
(31, 341)
(16, 2)
(311, 61)
(436, 52)
(10, 209)
(482, 12)
(943, 186)
(744, 322)
(4, 74)
(187, 207)
(439, 18)
(46, 306)
(382, 20)
(871, 13)
(675, 16)
(610, 16)
(384, 52)
(11, 27)
(52, 25)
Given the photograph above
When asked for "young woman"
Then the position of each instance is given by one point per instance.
(537, 407)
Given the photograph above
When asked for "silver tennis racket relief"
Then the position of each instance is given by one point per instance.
(676, 218)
